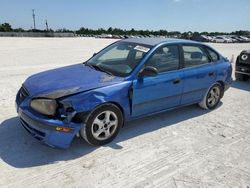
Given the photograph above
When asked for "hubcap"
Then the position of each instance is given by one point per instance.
(213, 96)
(104, 125)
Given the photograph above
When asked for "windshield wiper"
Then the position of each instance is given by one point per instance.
(87, 64)
(99, 68)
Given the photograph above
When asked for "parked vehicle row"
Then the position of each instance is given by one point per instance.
(222, 39)
(132, 36)
(199, 38)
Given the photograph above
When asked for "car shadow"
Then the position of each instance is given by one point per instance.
(20, 150)
(241, 85)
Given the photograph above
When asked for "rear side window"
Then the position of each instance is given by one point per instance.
(194, 56)
(214, 56)
(165, 59)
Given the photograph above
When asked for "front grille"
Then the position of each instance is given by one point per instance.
(32, 130)
(243, 68)
(21, 95)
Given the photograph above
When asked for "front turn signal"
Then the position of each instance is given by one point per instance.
(63, 129)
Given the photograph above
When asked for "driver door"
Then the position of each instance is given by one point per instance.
(163, 91)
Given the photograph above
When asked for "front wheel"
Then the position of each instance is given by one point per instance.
(103, 125)
(212, 98)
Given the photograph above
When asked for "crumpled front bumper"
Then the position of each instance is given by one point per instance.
(48, 131)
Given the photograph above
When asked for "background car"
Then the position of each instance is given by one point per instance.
(127, 80)
(244, 39)
(232, 39)
(242, 69)
(201, 38)
(221, 39)
(238, 39)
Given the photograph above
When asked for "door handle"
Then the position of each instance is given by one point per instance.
(211, 74)
(177, 81)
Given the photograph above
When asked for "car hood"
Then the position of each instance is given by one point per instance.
(68, 80)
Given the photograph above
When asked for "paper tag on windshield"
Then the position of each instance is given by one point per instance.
(142, 48)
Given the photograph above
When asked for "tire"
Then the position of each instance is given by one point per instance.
(212, 97)
(241, 77)
(102, 125)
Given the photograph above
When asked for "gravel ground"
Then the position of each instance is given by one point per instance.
(188, 147)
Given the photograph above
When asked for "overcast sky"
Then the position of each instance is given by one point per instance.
(172, 15)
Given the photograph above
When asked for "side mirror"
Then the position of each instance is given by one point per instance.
(148, 71)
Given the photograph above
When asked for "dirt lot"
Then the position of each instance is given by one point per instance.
(188, 147)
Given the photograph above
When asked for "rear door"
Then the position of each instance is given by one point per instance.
(198, 73)
(153, 94)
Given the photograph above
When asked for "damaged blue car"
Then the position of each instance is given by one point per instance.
(129, 79)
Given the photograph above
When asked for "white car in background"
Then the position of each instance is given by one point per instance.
(234, 40)
(221, 39)
(245, 39)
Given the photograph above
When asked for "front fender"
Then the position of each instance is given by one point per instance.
(87, 101)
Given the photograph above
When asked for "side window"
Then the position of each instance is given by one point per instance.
(213, 55)
(165, 59)
(194, 56)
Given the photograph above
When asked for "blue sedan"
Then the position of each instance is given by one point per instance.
(129, 79)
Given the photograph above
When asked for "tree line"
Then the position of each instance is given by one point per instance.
(6, 27)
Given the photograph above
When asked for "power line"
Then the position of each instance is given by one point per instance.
(47, 26)
(34, 18)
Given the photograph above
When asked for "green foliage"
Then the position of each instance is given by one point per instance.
(19, 30)
(6, 27)
(244, 33)
(64, 30)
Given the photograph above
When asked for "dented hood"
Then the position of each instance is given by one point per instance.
(67, 80)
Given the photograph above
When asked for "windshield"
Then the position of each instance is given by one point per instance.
(119, 59)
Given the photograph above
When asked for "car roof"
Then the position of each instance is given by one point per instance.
(156, 41)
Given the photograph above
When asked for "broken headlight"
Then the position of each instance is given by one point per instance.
(44, 106)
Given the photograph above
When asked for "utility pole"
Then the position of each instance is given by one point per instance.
(34, 18)
(47, 27)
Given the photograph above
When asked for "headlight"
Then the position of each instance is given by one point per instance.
(244, 57)
(44, 106)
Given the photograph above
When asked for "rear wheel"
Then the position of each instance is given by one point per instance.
(241, 77)
(213, 97)
(103, 125)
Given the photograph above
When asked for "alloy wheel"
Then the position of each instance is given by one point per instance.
(213, 96)
(104, 125)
